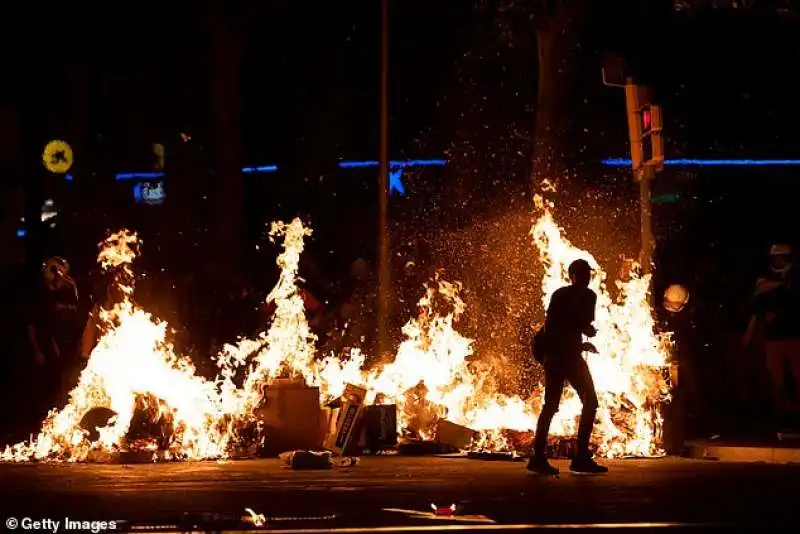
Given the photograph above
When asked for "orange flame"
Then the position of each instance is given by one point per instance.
(434, 374)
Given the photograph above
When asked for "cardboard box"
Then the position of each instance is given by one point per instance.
(292, 417)
(457, 436)
(352, 406)
(380, 427)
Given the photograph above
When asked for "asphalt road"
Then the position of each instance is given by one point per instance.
(659, 490)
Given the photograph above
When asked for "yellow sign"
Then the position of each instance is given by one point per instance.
(57, 157)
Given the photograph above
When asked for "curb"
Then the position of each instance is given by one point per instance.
(734, 453)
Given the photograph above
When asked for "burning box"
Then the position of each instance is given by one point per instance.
(379, 427)
(291, 416)
(349, 413)
(457, 436)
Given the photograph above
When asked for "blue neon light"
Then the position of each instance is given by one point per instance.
(137, 193)
(395, 164)
(153, 175)
(139, 175)
(620, 162)
(398, 186)
(21, 232)
(266, 168)
(68, 177)
(396, 182)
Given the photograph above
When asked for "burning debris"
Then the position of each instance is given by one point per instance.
(629, 370)
(136, 394)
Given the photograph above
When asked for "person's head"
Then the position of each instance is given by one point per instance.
(56, 272)
(780, 258)
(580, 273)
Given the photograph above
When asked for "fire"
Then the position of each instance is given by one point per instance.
(131, 367)
(629, 371)
(287, 349)
(435, 373)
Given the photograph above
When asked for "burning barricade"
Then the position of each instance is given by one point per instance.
(144, 397)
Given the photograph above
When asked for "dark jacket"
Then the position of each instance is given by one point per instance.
(569, 316)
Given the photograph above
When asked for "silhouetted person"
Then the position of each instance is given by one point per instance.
(569, 317)
(53, 330)
(776, 322)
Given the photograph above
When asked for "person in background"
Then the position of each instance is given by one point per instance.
(569, 317)
(92, 330)
(53, 328)
(776, 323)
(358, 311)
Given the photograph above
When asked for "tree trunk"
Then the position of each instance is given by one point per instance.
(229, 206)
(559, 98)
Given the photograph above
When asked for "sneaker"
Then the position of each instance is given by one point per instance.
(540, 466)
(587, 466)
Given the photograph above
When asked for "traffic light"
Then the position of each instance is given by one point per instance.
(645, 124)
(652, 142)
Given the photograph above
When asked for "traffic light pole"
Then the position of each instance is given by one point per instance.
(644, 129)
(646, 220)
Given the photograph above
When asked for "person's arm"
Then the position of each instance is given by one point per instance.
(31, 311)
(32, 337)
(90, 331)
(751, 328)
(759, 312)
(34, 341)
(553, 315)
(589, 330)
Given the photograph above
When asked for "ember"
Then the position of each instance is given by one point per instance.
(152, 399)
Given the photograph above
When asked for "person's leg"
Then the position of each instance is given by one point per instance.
(742, 390)
(774, 352)
(793, 358)
(553, 387)
(580, 379)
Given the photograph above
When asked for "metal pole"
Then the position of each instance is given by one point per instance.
(643, 174)
(646, 214)
(384, 281)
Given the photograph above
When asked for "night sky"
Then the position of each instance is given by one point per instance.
(115, 79)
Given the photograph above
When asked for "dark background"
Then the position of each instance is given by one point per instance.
(113, 80)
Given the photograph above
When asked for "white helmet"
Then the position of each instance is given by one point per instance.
(675, 298)
(780, 249)
(780, 258)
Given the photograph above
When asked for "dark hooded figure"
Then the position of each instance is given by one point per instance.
(569, 317)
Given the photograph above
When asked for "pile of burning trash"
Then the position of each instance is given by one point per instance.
(275, 393)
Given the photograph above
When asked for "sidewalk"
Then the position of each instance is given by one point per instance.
(781, 450)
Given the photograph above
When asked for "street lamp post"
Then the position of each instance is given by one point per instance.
(384, 274)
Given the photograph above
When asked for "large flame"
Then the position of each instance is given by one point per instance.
(629, 371)
(434, 376)
(131, 366)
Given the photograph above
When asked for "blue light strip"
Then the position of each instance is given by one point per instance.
(273, 168)
(139, 175)
(620, 162)
(122, 176)
(395, 164)
(266, 168)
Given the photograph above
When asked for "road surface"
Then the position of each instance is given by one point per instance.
(657, 490)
